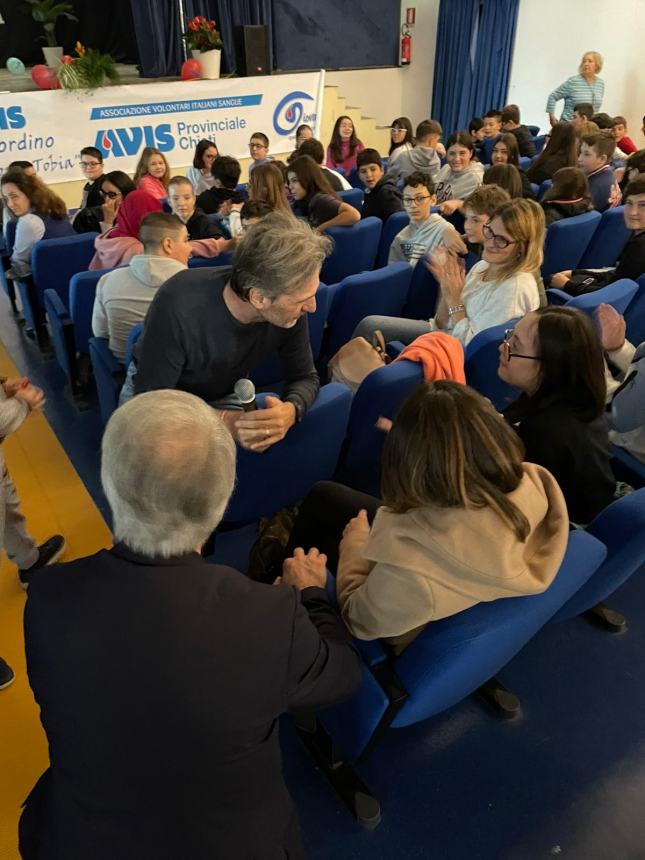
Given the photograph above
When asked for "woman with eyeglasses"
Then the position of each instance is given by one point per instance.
(314, 198)
(452, 472)
(500, 287)
(92, 167)
(39, 213)
(199, 174)
(114, 188)
(554, 356)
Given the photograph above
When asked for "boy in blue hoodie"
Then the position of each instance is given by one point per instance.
(596, 152)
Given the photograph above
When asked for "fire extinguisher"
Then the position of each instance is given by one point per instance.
(406, 45)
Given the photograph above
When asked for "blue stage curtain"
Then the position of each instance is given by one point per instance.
(158, 30)
(473, 58)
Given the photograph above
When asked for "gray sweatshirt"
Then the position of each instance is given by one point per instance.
(453, 185)
(419, 238)
(422, 158)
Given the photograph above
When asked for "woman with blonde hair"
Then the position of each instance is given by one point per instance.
(39, 213)
(585, 87)
(500, 287)
(152, 173)
(266, 185)
(425, 555)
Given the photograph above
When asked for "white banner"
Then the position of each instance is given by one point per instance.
(49, 128)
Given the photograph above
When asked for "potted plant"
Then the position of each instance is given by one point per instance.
(204, 42)
(47, 13)
(89, 70)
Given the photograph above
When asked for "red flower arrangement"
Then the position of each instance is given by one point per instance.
(202, 35)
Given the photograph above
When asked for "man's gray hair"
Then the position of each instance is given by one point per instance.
(168, 470)
(277, 255)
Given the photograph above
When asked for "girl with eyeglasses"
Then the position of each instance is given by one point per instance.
(401, 139)
(199, 174)
(500, 287)
(554, 356)
(114, 188)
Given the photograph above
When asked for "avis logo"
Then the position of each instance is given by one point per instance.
(11, 117)
(289, 112)
(128, 141)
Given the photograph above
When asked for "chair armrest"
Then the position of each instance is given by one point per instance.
(394, 348)
(557, 297)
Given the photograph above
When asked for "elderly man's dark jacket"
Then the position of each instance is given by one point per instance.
(160, 684)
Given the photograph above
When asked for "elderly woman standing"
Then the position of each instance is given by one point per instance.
(586, 86)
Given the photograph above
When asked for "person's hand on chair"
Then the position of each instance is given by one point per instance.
(305, 570)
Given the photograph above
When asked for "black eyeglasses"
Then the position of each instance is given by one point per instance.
(111, 194)
(500, 242)
(408, 201)
(88, 164)
(506, 346)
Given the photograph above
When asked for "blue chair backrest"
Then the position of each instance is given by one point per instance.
(82, 290)
(535, 188)
(270, 371)
(618, 295)
(10, 233)
(135, 333)
(353, 196)
(206, 262)
(534, 129)
(382, 292)
(380, 394)
(286, 472)
(395, 223)
(54, 261)
(608, 241)
(566, 241)
(621, 528)
(635, 315)
(423, 293)
(455, 656)
(544, 187)
(525, 162)
(626, 467)
(354, 179)
(539, 140)
(354, 251)
(482, 361)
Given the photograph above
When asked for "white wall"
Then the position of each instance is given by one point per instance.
(385, 94)
(552, 36)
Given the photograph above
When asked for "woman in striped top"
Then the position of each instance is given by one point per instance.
(586, 86)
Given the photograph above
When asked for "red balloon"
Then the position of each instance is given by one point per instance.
(66, 60)
(190, 71)
(37, 72)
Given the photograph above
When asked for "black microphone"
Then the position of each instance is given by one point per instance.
(245, 392)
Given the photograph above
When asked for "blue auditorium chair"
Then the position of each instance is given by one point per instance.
(544, 187)
(539, 140)
(354, 179)
(535, 188)
(109, 373)
(380, 395)
(627, 468)
(269, 373)
(82, 291)
(619, 295)
(566, 241)
(451, 659)
(423, 293)
(391, 228)
(354, 250)
(621, 528)
(61, 332)
(482, 361)
(353, 196)
(53, 262)
(534, 129)
(284, 474)
(635, 315)
(525, 162)
(207, 262)
(382, 291)
(607, 242)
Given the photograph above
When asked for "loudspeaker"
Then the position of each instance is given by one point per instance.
(252, 50)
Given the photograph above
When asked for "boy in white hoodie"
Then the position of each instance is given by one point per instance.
(426, 231)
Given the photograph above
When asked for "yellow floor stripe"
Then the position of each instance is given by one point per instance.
(54, 499)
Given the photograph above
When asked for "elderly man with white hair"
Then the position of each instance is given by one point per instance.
(161, 678)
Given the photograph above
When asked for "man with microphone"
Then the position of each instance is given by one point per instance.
(209, 328)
